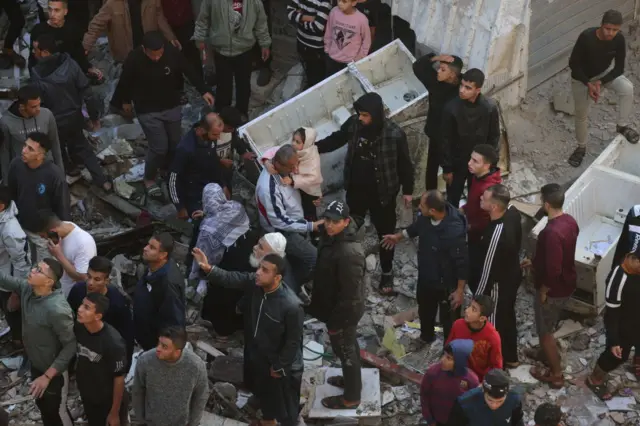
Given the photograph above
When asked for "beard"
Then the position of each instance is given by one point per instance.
(254, 261)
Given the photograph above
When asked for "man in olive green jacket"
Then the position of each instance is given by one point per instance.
(231, 28)
(47, 332)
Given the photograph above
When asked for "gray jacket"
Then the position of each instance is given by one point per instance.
(47, 325)
(14, 130)
(273, 321)
(64, 88)
(14, 250)
(215, 26)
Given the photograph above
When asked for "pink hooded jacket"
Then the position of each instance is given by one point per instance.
(309, 176)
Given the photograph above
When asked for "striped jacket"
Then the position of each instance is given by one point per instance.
(279, 205)
(310, 33)
(496, 267)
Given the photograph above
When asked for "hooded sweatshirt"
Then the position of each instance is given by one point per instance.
(487, 348)
(378, 156)
(64, 87)
(439, 388)
(14, 251)
(189, 389)
(479, 219)
(14, 129)
(442, 251)
(47, 325)
(229, 32)
(309, 176)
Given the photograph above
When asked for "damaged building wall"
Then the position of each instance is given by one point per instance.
(492, 35)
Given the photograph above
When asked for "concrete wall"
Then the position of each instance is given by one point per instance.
(488, 34)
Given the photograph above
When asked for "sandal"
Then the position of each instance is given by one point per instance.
(629, 134)
(544, 375)
(154, 192)
(337, 381)
(599, 390)
(577, 156)
(337, 403)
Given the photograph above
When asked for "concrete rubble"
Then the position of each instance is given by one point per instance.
(389, 330)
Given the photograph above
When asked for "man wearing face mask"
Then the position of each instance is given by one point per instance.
(442, 84)
(468, 120)
(442, 261)
(378, 149)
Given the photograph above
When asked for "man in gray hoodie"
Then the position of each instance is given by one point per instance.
(231, 27)
(26, 116)
(170, 386)
(47, 329)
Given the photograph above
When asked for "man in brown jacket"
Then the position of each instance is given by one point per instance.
(125, 22)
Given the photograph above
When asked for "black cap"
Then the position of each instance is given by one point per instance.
(337, 210)
(496, 383)
(153, 40)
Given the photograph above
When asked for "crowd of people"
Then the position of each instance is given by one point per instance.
(71, 321)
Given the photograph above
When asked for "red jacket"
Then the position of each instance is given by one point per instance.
(477, 218)
(487, 346)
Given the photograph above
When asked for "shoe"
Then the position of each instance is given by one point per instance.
(264, 77)
(386, 284)
(630, 134)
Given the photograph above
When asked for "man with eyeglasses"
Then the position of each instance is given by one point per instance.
(49, 341)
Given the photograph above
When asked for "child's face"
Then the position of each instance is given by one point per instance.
(446, 362)
(297, 142)
(346, 5)
(473, 313)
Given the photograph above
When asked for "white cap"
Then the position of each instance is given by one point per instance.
(277, 241)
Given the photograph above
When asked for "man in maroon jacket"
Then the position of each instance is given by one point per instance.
(179, 14)
(555, 280)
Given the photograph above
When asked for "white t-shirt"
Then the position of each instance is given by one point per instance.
(79, 248)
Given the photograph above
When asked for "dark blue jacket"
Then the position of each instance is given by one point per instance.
(471, 409)
(195, 165)
(443, 257)
(159, 303)
(118, 315)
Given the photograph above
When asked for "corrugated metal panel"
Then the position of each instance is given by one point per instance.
(555, 26)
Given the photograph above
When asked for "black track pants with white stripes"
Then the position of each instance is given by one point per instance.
(504, 317)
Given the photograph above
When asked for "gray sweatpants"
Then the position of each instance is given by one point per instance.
(621, 85)
(38, 246)
(163, 131)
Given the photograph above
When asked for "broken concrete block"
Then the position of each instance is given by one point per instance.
(130, 131)
(122, 188)
(387, 397)
(372, 263)
(227, 390)
(563, 102)
(522, 375)
(401, 392)
(124, 265)
(227, 369)
(118, 148)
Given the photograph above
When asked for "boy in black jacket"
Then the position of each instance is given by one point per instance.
(339, 299)
(442, 85)
(442, 261)
(621, 322)
(467, 121)
(496, 269)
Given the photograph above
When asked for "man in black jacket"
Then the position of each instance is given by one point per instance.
(273, 335)
(496, 268)
(467, 121)
(64, 89)
(152, 81)
(377, 147)
(38, 188)
(159, 296)
(442, 261)
(338, 299)
(629, 237)
(442, 85)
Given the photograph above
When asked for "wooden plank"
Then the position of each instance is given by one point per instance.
(209, 349)
(388, 367)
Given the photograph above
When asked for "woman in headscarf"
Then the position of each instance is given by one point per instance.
(227, 240)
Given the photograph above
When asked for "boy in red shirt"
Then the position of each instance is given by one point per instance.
(487, 348)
